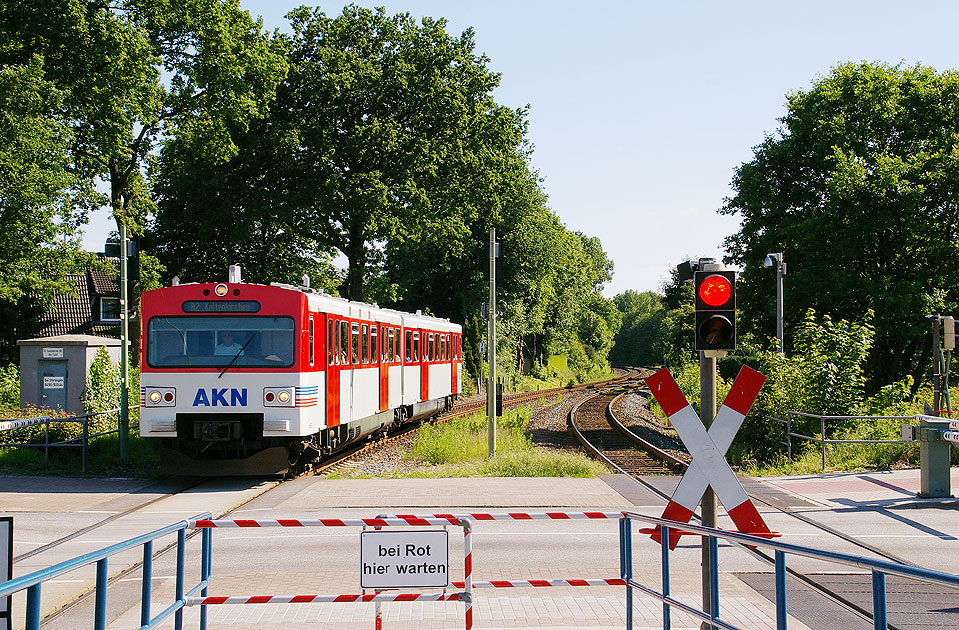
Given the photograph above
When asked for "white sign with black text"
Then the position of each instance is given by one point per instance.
(53, 353)
(404, 559)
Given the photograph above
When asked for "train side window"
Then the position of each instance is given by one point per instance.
(416, 347)
(397, 345)
(388, 345)
(374, 346)
(330, 342)
(312, 346)
(355, 342)
(409, 346)
(344, 342)
(443, 356)
(365, 344)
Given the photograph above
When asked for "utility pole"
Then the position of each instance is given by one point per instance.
(124, 422)
(777, 260)
(491, 345)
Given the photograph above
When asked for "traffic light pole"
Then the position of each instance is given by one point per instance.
(707, 411)
(491, 344)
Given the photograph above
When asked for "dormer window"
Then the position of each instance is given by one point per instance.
(109, 309)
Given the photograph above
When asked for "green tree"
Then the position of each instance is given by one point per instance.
(676, 334)
(131, 69)
(858, 189)
(212, 213)
(39, 192)
(636, 342)
(390, 120)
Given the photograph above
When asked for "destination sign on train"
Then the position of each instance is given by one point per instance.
(221, 306)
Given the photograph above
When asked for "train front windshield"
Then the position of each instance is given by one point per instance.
(244, 341)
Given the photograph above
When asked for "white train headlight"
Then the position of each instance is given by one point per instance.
(160, 397)
(279, 397)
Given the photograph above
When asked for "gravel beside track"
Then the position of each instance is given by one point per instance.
(634, 412)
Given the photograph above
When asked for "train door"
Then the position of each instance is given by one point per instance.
(354, 368)
(332, 374)
(379, 354)
(426, 339)
(453, 347)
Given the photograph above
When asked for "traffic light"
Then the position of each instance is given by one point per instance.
(715, 310)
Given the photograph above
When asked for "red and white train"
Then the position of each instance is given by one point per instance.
(243, 378)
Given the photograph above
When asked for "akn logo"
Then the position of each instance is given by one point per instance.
(218, 398)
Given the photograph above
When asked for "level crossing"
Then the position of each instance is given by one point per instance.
(880, 509)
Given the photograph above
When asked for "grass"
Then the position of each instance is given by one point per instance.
(839, 457)
(458, 448)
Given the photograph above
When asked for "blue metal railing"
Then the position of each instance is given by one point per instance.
(880, 569)
(31, 583)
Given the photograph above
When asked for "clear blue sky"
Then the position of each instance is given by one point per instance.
(640, 111)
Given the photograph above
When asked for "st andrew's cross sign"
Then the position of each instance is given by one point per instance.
(708, 448)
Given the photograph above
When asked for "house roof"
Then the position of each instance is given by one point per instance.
(72, 313)
(103, 282)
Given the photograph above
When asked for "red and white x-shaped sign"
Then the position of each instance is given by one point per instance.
(708, 448)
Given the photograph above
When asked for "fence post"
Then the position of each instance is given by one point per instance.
(626, 565)
(180, 561)
(879, 600)
(664, 545)
(86, 438)
(780, 590)
(33, 608)
(822, 434)
(789, 436)
(146, 588)
(206, 569)
(100, 603)
(46, 444)
(713, 578)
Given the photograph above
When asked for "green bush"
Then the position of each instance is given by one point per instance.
(9, 388)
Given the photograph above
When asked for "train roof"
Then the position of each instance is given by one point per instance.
(319, 300)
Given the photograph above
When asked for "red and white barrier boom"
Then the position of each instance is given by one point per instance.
(708, 448)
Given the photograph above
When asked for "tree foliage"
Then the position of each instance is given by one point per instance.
(858, 189)
(129, 69)
(384, 145)
(637, 342)
(395, 130)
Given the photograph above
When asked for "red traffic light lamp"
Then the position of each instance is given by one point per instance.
(715, 310)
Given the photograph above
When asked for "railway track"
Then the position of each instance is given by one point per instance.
(349, 459)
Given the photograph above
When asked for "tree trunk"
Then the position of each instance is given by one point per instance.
(357, 260)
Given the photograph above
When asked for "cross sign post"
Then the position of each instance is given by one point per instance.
(708, 448)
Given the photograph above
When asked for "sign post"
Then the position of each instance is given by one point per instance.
(6, 567)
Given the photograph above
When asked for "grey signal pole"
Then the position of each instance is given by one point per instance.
(124, 422)
(777, 261)
(491, 345)
(707, 412)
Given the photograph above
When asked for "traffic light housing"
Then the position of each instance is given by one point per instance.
(715, 310)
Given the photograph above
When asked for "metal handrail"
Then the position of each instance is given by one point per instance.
(879, 569)
(33, 581)
(822, 440)
(81, 441)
